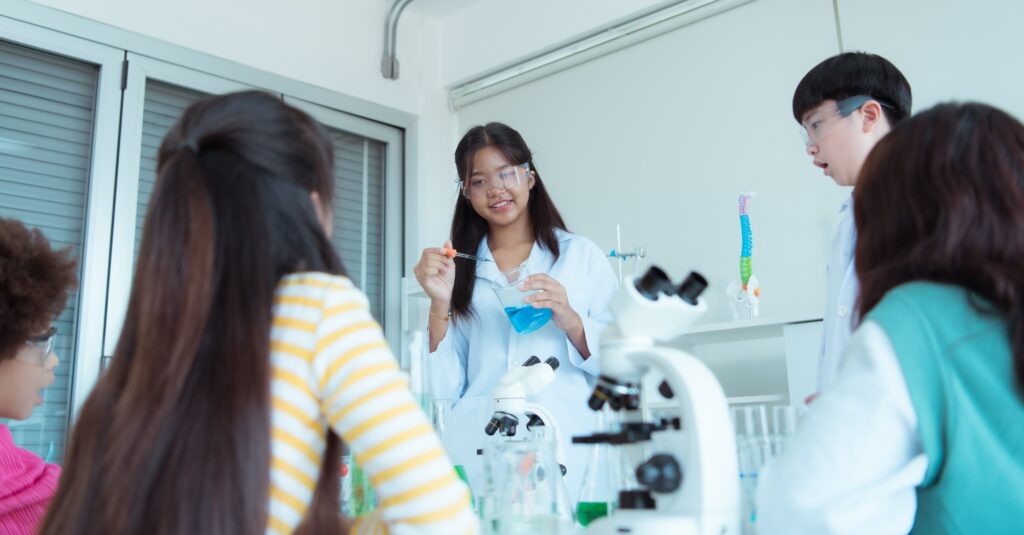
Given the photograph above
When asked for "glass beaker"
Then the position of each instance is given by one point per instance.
(525, 319)
(599, 489)
(525, 492)
(440, 413)
(785, 421)
(755, 445)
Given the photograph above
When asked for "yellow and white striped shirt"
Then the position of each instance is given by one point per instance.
(331, 366)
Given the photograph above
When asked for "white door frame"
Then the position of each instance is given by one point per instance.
(99, 196)
(393, 138)
(140, 70)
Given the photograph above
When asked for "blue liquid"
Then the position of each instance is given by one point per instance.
(527, 319)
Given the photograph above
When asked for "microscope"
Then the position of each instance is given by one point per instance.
(510, 402)
(524, 466)
(680, 472)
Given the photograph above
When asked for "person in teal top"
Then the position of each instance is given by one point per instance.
(923, 431)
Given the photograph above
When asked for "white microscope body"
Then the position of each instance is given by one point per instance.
(689, 485)
(510, 402)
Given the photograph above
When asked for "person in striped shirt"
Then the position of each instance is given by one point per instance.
(247, 357)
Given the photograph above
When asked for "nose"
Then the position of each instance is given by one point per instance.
(52, 360)
(495, 190)
(812, 148)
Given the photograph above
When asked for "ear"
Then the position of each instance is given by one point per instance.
(533, 180)
(872, 115)
(323, 214)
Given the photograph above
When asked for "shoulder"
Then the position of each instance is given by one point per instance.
(577, 244)
(920, 296)
(6, 441)
(12, 457)
(317, 287)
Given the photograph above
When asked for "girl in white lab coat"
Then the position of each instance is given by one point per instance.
(504, 216)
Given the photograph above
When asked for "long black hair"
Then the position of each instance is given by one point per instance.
(175, 438)
(941, 198)
(469, 229)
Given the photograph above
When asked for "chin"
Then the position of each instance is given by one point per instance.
(502, 219)
(21, 415)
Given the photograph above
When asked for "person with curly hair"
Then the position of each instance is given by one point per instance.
(34, 285)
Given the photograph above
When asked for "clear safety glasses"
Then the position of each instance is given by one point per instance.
(43, 344)
(509, 177)
(818, 126)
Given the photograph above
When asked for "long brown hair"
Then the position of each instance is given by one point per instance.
(941, 198)
(469, 228)
(175, 438)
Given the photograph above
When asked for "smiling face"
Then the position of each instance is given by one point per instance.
(22, 380)
(498, 190)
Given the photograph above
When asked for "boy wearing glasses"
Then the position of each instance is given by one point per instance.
(845, 105)
(34, 284)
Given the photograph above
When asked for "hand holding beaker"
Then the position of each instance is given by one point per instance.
(552, 296)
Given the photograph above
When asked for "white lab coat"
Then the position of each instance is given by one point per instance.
(841, 298)
(854, 464)
(477, 351)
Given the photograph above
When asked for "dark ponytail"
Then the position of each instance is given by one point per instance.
(175, 438)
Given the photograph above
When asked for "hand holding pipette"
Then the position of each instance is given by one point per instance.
(452, 253)
(436, 274)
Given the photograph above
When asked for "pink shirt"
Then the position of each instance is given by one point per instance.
(26, 486)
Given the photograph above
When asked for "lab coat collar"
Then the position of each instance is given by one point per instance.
(540, 260)
(846, 204)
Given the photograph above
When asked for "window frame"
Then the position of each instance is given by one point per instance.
(99, 204)
(391, 263)
(113, 194)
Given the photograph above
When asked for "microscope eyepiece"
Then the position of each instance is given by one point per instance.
(654, 282)
(531, 361)
(553, 362)
(692, 287)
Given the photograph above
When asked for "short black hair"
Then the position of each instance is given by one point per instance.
(851, 74)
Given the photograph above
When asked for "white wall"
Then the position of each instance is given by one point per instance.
(488, 34)
(948, 50)
(663, 135)
(335, 44)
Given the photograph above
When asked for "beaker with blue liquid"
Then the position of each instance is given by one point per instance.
(524, 318)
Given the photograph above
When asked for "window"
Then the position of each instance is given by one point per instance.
(80, 126)
(163, 106)
(359, 212)
(48, 135)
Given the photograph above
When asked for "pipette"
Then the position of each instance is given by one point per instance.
(452, 253)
